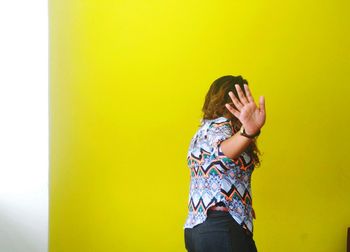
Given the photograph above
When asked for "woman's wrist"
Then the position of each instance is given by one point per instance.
(250, 133)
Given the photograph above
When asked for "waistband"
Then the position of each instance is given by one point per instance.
(219, 208)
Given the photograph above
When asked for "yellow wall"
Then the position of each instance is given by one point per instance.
(127, 83)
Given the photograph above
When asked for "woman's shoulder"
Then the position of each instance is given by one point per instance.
(220, 122)
(214, 120)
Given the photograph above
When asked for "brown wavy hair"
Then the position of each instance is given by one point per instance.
(214, 106)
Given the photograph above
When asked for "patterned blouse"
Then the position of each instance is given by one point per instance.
(215, 177)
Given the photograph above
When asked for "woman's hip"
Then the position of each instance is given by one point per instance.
(219, 232)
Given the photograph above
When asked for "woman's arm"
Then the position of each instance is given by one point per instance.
(233, 146)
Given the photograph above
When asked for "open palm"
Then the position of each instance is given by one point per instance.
(251, 117)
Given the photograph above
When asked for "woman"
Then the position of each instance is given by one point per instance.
(221, 157)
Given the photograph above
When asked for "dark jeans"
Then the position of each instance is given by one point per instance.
(218, 233)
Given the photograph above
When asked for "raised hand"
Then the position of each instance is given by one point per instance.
(251, 117)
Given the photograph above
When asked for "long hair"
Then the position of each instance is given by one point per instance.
(214, 106)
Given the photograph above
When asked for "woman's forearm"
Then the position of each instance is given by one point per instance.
(233, 146)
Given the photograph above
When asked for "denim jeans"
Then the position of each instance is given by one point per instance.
(218, 233)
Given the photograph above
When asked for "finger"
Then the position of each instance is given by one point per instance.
(232, 110)
(235, 101)
(262, 104)
(248, 94)
(241, 95)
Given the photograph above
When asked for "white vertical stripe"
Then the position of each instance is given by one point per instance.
(24, 128)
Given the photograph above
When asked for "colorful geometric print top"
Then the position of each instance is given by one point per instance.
(214, 177)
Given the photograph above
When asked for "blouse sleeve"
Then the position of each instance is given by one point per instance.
(217, 133)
